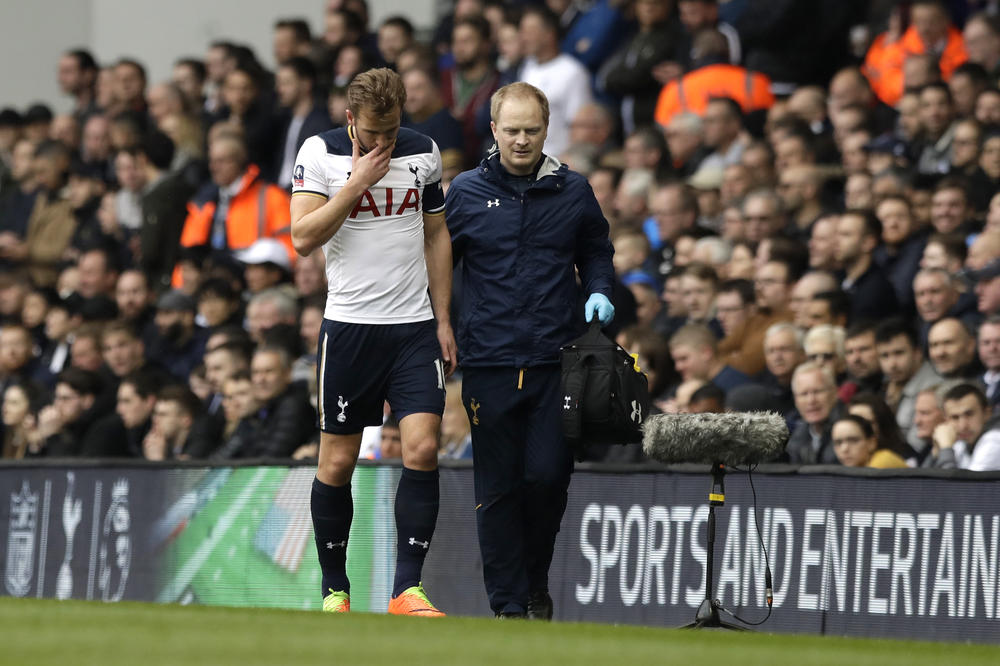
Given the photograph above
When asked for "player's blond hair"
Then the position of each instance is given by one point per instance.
(521, 90)
(379, 91)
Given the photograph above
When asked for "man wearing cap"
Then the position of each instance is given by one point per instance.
(885, 152)
(265, 264)
(177, 345)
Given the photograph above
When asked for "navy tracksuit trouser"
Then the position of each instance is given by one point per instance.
(522, 468)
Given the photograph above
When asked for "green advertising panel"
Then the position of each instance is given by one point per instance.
(243, 537)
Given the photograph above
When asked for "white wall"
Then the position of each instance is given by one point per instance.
(34, 33)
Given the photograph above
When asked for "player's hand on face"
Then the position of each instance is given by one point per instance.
(371, 167)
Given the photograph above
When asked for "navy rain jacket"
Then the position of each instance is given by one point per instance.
(519, 300)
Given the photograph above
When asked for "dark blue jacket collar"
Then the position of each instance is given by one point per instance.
(549, 174)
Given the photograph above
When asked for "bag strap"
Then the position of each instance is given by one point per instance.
(574, 386)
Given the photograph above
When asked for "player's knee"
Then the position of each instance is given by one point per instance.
(336, 468)
(421, 452)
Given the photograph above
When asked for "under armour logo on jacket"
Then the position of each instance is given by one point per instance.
(636, 411)
(490, 204)
(423, 544)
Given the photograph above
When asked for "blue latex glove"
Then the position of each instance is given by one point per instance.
(599, 303)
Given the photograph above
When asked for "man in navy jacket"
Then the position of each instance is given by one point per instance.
(521, 222)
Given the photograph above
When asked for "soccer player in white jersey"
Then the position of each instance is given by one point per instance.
(370, 195)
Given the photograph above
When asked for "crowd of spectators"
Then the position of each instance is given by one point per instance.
(802, 196)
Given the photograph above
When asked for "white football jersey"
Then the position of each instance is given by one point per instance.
(375, 265)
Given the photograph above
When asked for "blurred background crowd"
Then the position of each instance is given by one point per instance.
(802, 196)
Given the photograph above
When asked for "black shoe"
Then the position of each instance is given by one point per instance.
(511, 615)
(540, 606)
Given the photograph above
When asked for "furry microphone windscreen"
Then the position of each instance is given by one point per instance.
(735, 438)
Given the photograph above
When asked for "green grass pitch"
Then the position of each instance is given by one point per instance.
(42, 632)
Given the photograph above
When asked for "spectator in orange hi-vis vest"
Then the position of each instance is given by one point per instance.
(930, 33)
(712, 76)
(238, 207)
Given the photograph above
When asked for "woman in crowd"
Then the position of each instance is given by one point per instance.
(855, 445)
(874, 409)
(21, 403)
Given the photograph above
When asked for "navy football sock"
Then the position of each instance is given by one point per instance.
(417, 499)
(332, 511)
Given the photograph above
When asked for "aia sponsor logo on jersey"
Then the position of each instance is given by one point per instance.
(386, 202)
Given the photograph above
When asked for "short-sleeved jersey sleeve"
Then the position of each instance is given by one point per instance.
(309, 175)
(433, 199)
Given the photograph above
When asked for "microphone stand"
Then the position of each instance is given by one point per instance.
(707, 616)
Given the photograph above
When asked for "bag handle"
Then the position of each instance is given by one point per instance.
(593, 336)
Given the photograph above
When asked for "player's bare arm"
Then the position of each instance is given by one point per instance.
(315, 221)
(437, 253)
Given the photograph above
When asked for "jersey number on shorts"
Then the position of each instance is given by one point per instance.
(439, 369)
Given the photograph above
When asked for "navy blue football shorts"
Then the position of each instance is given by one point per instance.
(360, 366)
